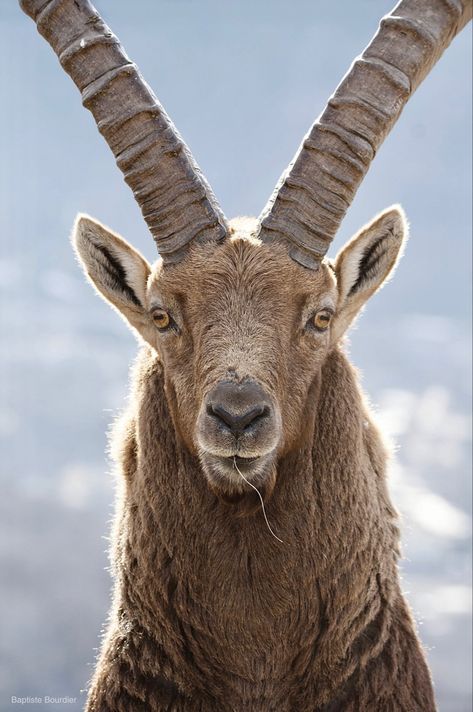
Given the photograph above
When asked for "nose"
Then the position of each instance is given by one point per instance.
(238, 407)
(235, 422)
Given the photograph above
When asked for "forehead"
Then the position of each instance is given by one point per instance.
(240, 271)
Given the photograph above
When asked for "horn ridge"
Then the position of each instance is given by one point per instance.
(154, 160)
(321, 181)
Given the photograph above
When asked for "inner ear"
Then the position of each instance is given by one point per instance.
(116, 275)
(369, 263)
(115, 268)
(364, 264)
(117, 271)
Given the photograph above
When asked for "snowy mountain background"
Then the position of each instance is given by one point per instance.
(243, 82)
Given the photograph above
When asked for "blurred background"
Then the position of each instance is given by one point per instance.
(243, 81)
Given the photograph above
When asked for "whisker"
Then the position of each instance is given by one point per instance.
(259, 495)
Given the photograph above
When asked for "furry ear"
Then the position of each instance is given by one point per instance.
(365, 263)
(117, 271)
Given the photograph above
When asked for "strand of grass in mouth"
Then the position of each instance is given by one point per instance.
(261, 499)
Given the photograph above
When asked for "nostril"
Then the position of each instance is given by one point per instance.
(219, 412)
(238, 422)
(265, 412)
(252, 415)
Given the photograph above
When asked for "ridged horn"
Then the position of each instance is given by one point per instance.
(175, 199)
(316, 190)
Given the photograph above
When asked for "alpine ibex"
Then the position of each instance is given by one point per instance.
(255, 546)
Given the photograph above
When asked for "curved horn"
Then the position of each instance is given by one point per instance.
(319, 185)
(174, 197)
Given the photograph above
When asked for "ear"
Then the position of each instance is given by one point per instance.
(366, 262)
(117, 271)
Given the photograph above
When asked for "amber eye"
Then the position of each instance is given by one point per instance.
(321, 320)
(161, 319)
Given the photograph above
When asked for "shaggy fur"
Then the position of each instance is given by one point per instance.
(210, 612)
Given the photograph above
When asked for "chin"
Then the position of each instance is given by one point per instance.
(227, 475)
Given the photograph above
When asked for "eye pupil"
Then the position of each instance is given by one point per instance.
(161, 318)
(321, 321)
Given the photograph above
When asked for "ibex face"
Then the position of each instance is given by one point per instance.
(245, 351)
(242, 331)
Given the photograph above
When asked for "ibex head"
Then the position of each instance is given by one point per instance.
(243, 317)
(242, 331)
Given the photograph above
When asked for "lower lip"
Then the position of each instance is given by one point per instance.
(242, 460)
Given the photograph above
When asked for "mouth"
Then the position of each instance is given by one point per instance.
(232, 471)
(236, 462)
(241, 461)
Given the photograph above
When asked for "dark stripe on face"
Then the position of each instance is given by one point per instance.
(117, 274)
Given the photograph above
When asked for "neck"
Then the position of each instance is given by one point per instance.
(192, 574)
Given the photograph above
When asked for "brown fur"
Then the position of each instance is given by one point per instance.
(210, 611)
